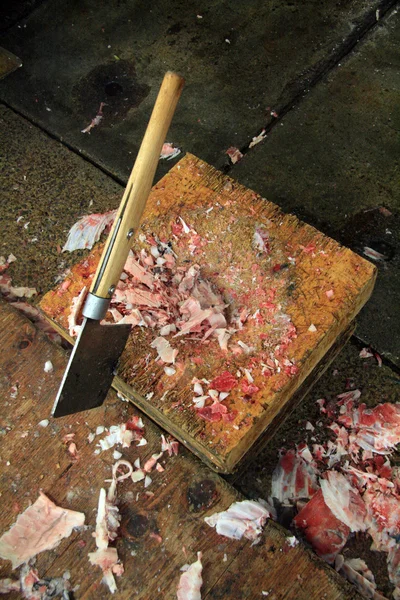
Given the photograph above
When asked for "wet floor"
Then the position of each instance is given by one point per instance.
(322, 80)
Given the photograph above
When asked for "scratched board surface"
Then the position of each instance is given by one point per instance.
(285, 292)
(162, 526)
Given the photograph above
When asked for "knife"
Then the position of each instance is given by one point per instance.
(96, 352)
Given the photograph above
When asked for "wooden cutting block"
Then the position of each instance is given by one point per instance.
(289, 292)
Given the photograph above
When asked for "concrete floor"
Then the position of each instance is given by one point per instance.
(330, 71)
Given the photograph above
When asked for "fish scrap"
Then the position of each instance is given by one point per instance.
(33, 587)
(37, 318)
(168, 151)
(154, 293)
(5, 262)
(242, 519)
(96, 121)
(107, 524)
(108, 516)
(191, 581)
(87, 231)
(169, 445)
(40, 527)
(357, 572)
(124, 434)
(234, 154)
(7, 290)
(347, 485)
(294, 478)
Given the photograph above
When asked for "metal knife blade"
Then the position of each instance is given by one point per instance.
(91, 367)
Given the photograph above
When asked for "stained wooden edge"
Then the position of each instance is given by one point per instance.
(207, 456)
(294, 401)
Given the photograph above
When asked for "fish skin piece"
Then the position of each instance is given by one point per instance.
(383, 516)
(139, 297)
(191, 581)
(241, 519)
(170, 445)
(168, 151)
(88, 230)
(357, 572)
(138, 272)
(40, 527)
(165, 351)
(344, 501)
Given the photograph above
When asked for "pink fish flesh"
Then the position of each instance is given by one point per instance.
(191, 581)
(245, 518)
(151, 462)
(213, 413)
(40, 527)
(322, 529)
(224, 382)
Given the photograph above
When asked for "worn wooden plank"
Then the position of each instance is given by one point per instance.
(296, 277)
(261, 568)
(183, 494)
(35, 458)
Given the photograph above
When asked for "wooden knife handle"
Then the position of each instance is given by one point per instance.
(137, 190)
